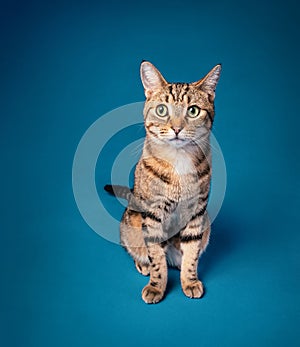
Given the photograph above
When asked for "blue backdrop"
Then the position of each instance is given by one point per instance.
(63, 65)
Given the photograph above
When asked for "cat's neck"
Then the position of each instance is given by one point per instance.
(180, 158)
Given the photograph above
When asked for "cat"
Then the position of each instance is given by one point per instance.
(166, 221)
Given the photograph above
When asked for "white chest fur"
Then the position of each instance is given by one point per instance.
(177, 157)
(183, 164)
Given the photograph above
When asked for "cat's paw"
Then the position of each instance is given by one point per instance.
(142, 268)
(152, 295)
(193, 290)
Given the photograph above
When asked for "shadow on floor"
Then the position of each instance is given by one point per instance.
(225, 239)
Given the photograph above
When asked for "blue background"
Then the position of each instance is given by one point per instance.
(65, 64)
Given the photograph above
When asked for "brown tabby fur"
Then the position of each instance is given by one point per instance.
(166, 219)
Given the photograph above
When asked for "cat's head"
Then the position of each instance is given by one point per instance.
(178, 114)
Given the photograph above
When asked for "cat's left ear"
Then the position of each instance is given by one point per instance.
(151, 78)
(209, 83)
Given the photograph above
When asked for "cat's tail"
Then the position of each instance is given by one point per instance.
(119, 191)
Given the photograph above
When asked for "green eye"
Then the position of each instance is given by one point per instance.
(193, 111)
(161, 110)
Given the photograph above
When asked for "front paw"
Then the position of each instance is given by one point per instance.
(152, 295)
(193, 289)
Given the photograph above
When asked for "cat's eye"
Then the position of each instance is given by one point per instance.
(193, 111)
(162, 110)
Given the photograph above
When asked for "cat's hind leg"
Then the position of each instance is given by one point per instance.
(132, 240)
(174, 253)
(142, 268)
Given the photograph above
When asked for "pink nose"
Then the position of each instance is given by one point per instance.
(176, 130)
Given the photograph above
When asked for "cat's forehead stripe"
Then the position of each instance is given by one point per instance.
(178, 93)
(178, 90)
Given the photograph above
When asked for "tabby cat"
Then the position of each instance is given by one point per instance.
(166, 219)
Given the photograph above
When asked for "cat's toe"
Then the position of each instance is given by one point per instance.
(142, 268)
(152, 295)
(193, 290)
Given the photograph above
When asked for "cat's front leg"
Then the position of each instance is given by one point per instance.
(193, 242)
(154, 238)
(154, 291)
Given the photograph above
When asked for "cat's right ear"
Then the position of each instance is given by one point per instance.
(151, 78)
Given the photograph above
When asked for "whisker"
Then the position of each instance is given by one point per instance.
(138, 148)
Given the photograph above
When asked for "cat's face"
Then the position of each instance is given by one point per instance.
(178, 114)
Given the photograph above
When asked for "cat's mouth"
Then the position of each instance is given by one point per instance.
(177, 141)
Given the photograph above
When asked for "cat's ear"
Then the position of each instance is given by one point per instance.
(209, 82)
(151, 78)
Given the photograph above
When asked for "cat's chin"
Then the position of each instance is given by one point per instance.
(178, 142)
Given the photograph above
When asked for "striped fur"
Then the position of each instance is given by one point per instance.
(166, 217)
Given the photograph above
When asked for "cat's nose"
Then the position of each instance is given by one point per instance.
(176, 130)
